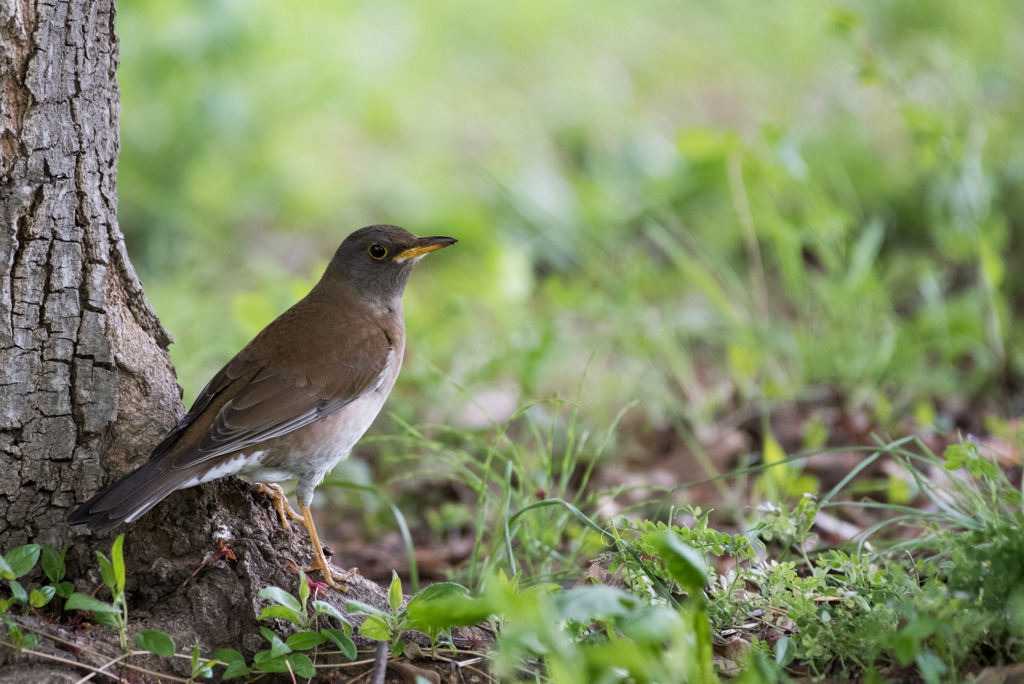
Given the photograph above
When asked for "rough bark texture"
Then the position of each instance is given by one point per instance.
(86, 385)
(83, 358)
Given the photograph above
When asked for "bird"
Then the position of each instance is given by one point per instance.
(296, 399)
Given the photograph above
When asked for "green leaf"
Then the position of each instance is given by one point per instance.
(342, 641)
(282, 613)
(18, 638)
(982, 467)
(281, 597)
(956, 455)
(65, 589)
(439, 590)
(302, 641)
(785, 651)
(40, 597)
(6, 571)
(302, 665)
(325, 608)
(277, 647)
(22, 559)
(583, 604)
(239, 669)
(18, 592)
(267, 662)
(107, 572)
(375, 627)
(53, 563)
(395, 593)
(360, 608)
(303, 587)
(649, 624)
(156, 642)
(452, 610)
(235, 662)
(117, 559)
(110, 619)
(299, 663)
(28, 641)
(682, 562)
(930, 665)
(84, 602)
(431, 632)
(397, 648)
(229, 656)
(235, 669)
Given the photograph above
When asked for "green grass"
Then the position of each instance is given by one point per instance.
(927, 594)
(930, 593)
(666, 190)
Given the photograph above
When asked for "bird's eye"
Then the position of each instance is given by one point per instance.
(377, 251)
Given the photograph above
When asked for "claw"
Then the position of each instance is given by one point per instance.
(320, 563)
(276, 494)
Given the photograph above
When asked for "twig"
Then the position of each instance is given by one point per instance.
(50, 656)
(351, 663)
(103, 668)
(96, 654)
(161, 675)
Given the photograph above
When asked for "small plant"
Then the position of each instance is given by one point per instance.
(442, 606)
(55, 571)
(434, 611)
(15, 564)
(19, 562)
(380, 625)
(283, 655)
(588, 632)
(114, 613)
(200, 667)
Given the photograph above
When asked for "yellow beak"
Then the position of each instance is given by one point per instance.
(425, 246)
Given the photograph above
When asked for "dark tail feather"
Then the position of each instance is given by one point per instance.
(129, 497)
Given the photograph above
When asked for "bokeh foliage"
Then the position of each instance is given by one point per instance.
(709, 203)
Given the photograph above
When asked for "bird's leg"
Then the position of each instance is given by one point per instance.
(320, 563)
(276, 494)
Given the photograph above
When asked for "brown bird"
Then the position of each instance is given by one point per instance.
(297, 398)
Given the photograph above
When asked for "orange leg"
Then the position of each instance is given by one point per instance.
(320, 563)
(276, 494)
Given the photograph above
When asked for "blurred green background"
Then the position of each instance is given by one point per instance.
(697, 206)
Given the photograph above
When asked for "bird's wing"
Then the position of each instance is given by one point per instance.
(272, 401)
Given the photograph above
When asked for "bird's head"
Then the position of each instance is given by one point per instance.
(377, 260)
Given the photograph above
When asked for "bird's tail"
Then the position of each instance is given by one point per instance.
(128, 498)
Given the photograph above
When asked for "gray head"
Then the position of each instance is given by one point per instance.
(377, 260)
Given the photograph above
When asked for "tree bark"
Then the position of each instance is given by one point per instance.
(86, 384)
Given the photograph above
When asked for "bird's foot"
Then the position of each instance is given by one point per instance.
(331, 576)
(276, 494)
(320, 563)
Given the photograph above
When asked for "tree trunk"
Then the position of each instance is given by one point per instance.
(86, 384)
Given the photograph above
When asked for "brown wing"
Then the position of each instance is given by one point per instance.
(271, 401)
